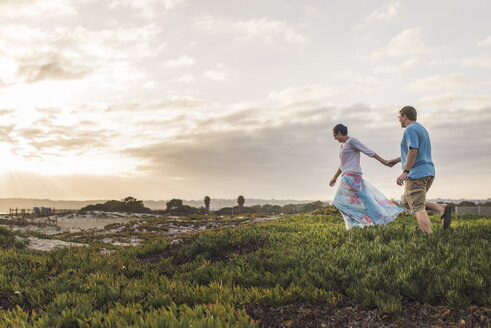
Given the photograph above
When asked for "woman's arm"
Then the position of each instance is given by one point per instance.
(381, 160)
(355, 143)
(335, 177)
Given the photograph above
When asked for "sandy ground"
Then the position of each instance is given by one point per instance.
(72, 225)
(96, 221)
(49, 244)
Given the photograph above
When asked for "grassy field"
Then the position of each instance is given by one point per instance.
(302, 270)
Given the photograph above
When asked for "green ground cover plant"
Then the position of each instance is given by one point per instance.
(208, 279)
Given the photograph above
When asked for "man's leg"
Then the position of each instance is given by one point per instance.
(439, 208)
(415, 193)
(423, 221)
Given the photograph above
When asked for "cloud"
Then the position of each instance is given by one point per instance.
(407, 43)
(179, 102)
(110, 57)
(480, 61)
(397, 68)
(457, 151)
(146, 8)
(15, 39)
(485, 43)
(456, 100)
(441, 82)
(50, 67)
(221, 72)
(68, 142)
(264, 29)
(277, 150)
(233, 159)
(113, 43)
(164, 104)
(62, 140)
(50, 133)
(309, 93)
(50, 111)
(251, 142)
(6, 112)
(184, 60)
(385, 13)
(188, 78)
(6, 132)
(38, 9)
(215, 75)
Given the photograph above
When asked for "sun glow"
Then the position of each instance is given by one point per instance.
(27, 97)
(66, 165)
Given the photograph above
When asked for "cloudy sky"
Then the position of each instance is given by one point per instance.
(179, 98)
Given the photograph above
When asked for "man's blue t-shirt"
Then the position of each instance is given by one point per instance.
(416, 136)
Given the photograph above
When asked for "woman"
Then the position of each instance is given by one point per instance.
(359, 202)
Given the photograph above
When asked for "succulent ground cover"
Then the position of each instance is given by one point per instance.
(297, 271)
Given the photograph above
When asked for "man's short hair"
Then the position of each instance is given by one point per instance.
(340, 128)
(409, 111)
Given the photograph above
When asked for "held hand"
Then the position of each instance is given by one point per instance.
(392, 162)
(400, 180)
(332, 182)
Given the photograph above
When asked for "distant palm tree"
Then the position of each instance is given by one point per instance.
(240, 201)
(207, 204)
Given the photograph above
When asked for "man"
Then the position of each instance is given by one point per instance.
(418, 171)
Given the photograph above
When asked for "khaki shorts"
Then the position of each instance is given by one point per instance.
(414, 197)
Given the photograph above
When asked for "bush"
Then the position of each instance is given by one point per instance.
(128, 204)
(8, 240)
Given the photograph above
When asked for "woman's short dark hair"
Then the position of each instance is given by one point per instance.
(340, 128)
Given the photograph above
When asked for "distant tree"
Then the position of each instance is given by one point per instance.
(290, 209)
(309, 207)
(255, 209)
(129, 199)
(134, 205)
(128, 204)
(467, 203)
(225, 210)
(207, 204)
(241, 201)
(174, 204)
(267, 208)
(175, 207)
(276, 209)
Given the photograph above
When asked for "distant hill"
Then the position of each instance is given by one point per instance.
(27, 203)
(220, 203)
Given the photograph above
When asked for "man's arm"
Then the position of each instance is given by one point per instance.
(411, 158)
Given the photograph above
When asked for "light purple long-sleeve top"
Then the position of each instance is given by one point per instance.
(350, 156)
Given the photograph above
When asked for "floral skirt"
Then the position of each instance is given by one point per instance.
(361, 204)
